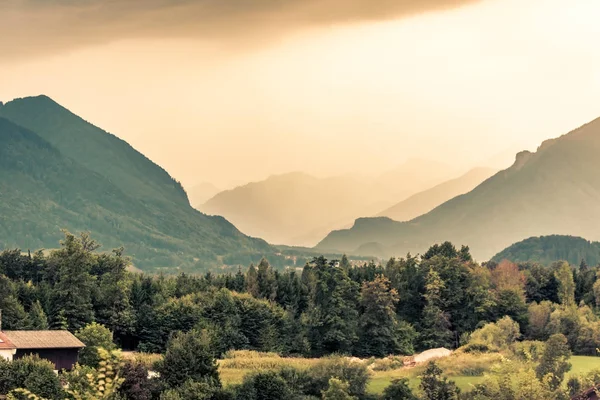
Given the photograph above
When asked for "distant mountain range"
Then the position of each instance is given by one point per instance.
(555, 190)
(548, 249)
(299, 209)
(199, 194)
(425, 201)
(59, 171)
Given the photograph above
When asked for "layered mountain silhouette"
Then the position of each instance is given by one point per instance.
(200, 193)
(555, 190)
(425, 201)
(299, 209)
(548, 249)
(59, 171)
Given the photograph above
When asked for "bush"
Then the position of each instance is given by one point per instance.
(136, 384)
(494, 336)
(34, 374)
(189, 357)
(337, 390)
(529, 350)
(355, 373)
(263, 386)
(388, 363)
(94, 336)
(398, 390)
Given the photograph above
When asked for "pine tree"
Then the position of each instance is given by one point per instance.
(435, 324)
(73, 290)
(37, 316)
(378, 325)
(435, 387)
(252, 281)
(333, 312)
(266, 281)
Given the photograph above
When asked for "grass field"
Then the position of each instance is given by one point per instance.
(465, 369)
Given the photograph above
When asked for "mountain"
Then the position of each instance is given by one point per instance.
(200, 193)
(293, 208)
(59, 171)
(420, 203)
(414, 176)
(548, 249)
(555, 190)
(299, 209)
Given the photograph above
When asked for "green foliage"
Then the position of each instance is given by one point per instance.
(381, 333)
(354, 373)
(189, 356)
(554, 363)
(332, 315)
(337, 390)
(436, 387)
(495, 336)
(398, 390)
(263, 386)
(32, 374)
(435, 323)
(37, 316)
(103, 382)
(94, 336)
(549, 249)
(75, 175)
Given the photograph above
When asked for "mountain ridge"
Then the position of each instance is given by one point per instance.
(552, 191)
(131, 201)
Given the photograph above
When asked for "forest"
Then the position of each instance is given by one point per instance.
(535, 315)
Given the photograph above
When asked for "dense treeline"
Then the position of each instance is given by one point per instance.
(442, 298)
(548, 249)
(409, 304)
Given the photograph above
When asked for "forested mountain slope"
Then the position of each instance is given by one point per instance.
(548, 249)
(97, 182)
(555, 190)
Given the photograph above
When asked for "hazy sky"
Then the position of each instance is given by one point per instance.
(234, 90)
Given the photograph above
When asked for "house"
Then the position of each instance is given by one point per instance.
(590, 394)
(59, 347)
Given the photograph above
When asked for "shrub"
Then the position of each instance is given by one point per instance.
(398, 390)
(337, 390)
(528, 350)
(494, 336)
(94, 336)
(355, 373)
(36, 375)
(189, 357)
(263, 386)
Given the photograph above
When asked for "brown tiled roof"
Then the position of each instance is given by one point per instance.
(43, 339)
(5, 343)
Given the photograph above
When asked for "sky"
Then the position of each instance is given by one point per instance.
(231, 91)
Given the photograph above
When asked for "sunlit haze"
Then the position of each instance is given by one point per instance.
(462, 86)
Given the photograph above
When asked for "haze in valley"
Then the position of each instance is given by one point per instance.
(229, 92)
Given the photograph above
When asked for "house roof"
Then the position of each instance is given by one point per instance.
(5, 343)
(43, 339)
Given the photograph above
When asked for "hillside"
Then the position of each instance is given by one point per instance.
(427, 200)
(548, 249)
(62, 172)
(555, 190)
(299, 209)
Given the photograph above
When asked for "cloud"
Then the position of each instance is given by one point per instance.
(33, 27)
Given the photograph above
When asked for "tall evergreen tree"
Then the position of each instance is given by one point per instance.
(380, 331)
(73, 290)
(435, 324)
(37, 316)
(333, 312)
